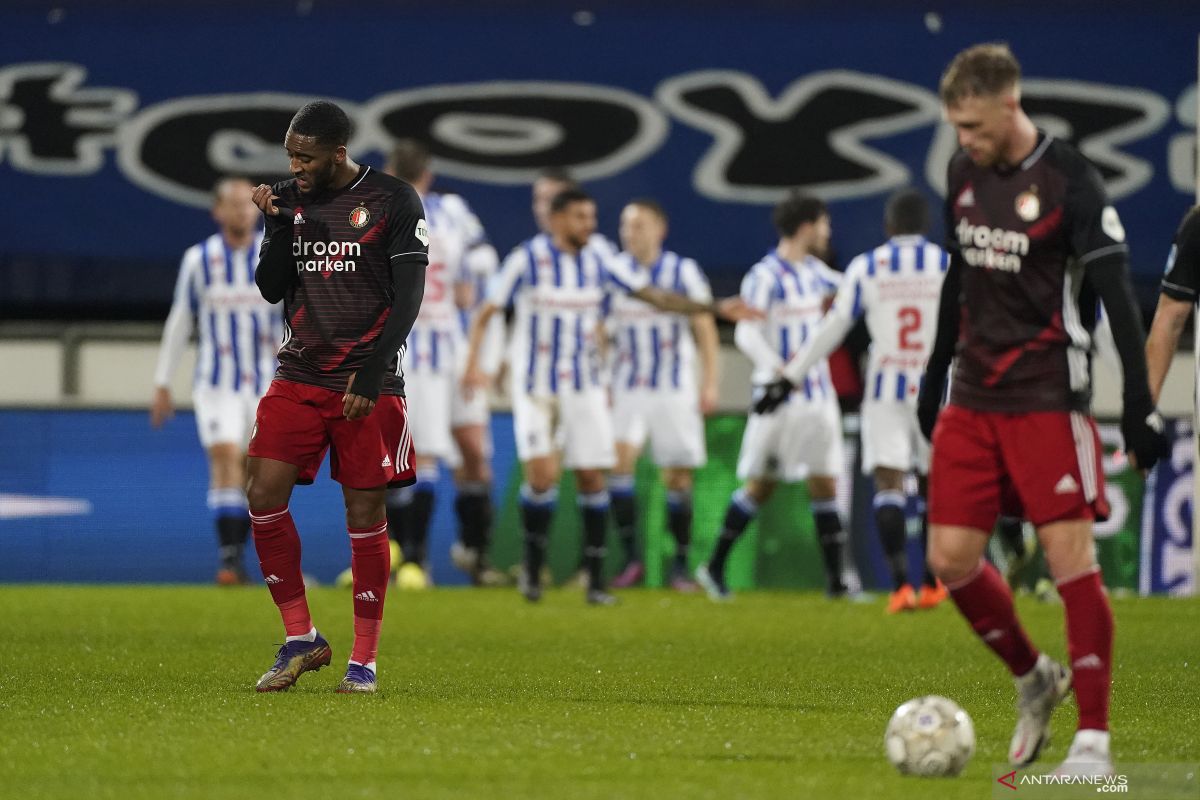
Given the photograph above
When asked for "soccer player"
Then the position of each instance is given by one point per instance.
(654, 386)
(801, 439)
(448, 427)
(345, 249)
(557, 283)
(1032, 241)
(1178, 296)
(239, 334)
(896, 286)
(550, 183)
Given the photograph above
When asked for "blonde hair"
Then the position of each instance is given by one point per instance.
(980, 71)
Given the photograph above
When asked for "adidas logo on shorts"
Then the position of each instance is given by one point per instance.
(387, 462)
(1066, 485)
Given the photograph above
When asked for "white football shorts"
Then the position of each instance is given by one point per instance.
(577, 424)
(224, 416)
(891, 437)
(429, 396)
(798, 439)
(669, 419)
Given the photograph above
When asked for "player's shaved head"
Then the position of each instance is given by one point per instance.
(409, 160)
(984, 70)
(323, 122)
(906, 213)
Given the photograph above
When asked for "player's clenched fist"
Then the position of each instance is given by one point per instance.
(265, 200)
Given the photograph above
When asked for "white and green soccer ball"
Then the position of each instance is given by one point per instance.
(930, 736)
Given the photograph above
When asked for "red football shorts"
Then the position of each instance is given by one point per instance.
(297, 423)
(1043, 466)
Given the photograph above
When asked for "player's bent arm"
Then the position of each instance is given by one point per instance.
(276, 271)
(731, 308)
(408, 285)
(751, 340)
(670, 301)
(830, 332)
(1170, 318)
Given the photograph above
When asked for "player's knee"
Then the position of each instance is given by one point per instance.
(366, 512)
(678, 480)
(589, 480)
(261, 495)
(948, 566)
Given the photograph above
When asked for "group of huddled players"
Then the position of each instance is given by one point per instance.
(613, 348)
(601, 359)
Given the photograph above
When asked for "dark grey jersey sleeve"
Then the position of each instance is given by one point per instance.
(1181, 280)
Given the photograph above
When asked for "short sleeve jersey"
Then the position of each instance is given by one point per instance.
(557, 299)
(1024, 237)
(655, 349)
(1181, 278)
(896, 287)
(792, 295)
(346, 243)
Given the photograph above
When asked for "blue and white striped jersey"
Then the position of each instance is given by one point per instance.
(655, 349)
(897, 286)
(437, 341)
(557, 298)
(792, 295)
(240, 333)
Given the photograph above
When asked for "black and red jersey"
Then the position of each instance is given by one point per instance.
(1023, 237)
(345, 244)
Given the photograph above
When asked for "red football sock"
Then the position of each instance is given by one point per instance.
(986, 601)
(278, 547)
(370, 559)
(1090, 645)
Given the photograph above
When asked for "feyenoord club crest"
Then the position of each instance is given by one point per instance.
(1029, 207)
(359, 217)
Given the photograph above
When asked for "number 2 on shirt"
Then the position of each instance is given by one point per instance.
(910, 324)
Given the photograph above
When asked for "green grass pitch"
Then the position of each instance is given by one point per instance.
(131, 692)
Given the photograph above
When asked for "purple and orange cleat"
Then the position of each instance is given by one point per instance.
(358, 680)
(293, 659)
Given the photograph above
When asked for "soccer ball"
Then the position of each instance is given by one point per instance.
(930, 736)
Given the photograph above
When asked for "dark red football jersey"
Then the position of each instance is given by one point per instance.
(1023, 237)
(345, 244)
